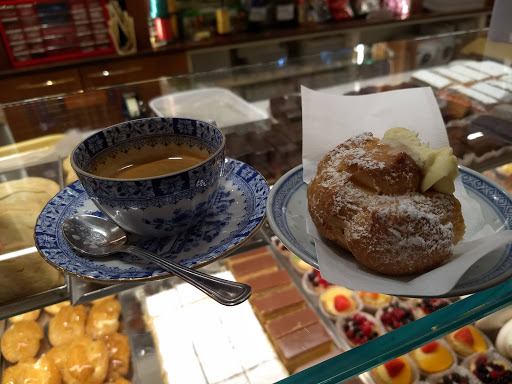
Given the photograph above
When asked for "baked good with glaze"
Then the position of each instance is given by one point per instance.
(32, 315)
(277, 304)
(21, 341)
(433, 357)
(55, 308)
(32, 370)
(378, 202)
(396, 371)
(306, 344)
(119, 356)
(87, 361)
(67, 325)
(467, 340)
(103, 318)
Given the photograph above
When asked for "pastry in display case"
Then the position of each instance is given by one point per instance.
(58, 346)
(24, 191)
(167, 331)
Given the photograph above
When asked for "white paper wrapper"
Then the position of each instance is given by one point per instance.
(329, 120)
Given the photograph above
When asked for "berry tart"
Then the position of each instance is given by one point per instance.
(397, 371)
(359, 328)
(455, 375)
(394, 316)
(434, 357)
(424, 307)
(468, 340)
(313, 283)
(490, 367)
(373, 301)
(338, 301)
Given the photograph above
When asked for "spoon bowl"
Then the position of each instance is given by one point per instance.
(94, 236)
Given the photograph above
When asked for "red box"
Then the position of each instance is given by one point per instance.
(27, 42)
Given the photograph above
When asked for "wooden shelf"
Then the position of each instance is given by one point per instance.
(247, 38)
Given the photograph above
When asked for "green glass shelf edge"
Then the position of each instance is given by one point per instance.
(405, 339)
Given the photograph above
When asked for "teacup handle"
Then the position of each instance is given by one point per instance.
(223, 291)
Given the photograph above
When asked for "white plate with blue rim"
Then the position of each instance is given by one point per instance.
(287, 207)
(237, 213)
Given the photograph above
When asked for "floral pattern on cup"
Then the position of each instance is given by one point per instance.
(153, 206)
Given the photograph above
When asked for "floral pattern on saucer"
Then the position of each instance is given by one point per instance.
(236, 213)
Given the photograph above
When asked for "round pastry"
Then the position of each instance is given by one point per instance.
(103, 318)
(86, 361)
(313, 282)
(67, 325)
(32, 370)
(425, 307)
(119, 355)
(58, 355)
(359, 328)
(337, 301)
(21, 341)
(490, 368)
(397, 371)
(372, 301)
(367, 197)
(467, 340)
(394, 316)
(55, 308)
(504, 340)
(32, 315)
(121, 380)
(433, 357)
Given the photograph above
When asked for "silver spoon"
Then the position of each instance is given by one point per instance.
(94, 236)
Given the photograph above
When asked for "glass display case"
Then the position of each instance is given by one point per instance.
(175, 333)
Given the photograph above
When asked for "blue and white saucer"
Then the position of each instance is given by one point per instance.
(236, 214)
(287, 207)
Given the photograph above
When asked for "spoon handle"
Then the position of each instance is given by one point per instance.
(223, 291)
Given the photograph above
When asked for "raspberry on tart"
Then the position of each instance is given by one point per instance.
(359, 328)
(394, 316)
(467, 340)
(433, 357)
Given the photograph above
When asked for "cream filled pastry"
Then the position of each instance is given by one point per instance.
(389, 202)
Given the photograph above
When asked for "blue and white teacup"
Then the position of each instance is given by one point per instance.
(152, 206)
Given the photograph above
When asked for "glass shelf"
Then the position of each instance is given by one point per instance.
(275, 148)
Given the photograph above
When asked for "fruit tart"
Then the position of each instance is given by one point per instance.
(467, 340)
(397, 371)
(338, 301)
(359, 328)
(434, 357)
(394, 316)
